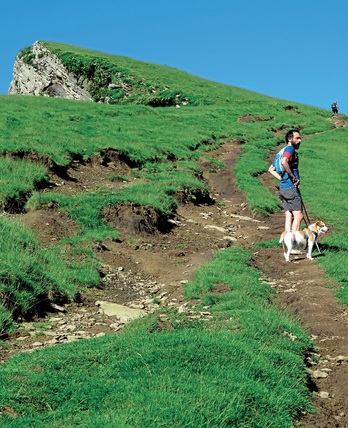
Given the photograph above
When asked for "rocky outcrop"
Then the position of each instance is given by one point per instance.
(56, 70)
(37, 71)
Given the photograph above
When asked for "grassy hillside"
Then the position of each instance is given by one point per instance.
(160, 122)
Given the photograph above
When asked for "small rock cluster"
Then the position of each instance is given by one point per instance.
(96, 317)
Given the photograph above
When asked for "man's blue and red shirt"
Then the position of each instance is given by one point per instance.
(292, 155)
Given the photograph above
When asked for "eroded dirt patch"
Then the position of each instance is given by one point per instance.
(250, 118)
(50, 226)
(108, 171)
(136, 219)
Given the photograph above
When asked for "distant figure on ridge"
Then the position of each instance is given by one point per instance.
(334, 108)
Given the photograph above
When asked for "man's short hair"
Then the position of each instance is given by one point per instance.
(290, 134)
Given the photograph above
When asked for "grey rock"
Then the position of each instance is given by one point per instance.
(45, 75)
(123, 313)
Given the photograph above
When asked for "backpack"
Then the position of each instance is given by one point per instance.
(277, 163)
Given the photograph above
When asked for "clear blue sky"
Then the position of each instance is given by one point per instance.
(295, 50)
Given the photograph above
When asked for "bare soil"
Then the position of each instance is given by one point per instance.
(146, 262)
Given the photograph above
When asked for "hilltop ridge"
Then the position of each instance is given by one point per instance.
(57, 70)
(60, 70)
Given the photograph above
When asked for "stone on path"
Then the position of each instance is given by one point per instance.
(121, 312)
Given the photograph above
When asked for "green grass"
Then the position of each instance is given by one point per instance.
(324, 195)
(30, 275)
(27, 175)
(244, 367)
(240, 369)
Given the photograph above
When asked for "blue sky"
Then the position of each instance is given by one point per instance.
(295, 50)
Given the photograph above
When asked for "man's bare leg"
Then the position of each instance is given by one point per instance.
(298, 217)
(288, 221)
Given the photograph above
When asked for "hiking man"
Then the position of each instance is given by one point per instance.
(289, 192)
(334, 108)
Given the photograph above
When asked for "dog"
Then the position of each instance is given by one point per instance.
(299, 242)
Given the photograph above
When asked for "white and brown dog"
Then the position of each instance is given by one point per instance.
(303, 240)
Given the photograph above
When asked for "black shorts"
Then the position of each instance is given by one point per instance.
(291, 199)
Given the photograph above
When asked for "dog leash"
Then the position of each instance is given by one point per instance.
(307, 221)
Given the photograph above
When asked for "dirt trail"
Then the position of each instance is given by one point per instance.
(157, 265)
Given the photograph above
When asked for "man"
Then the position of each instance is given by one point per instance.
(334, 108)
(289, 192)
